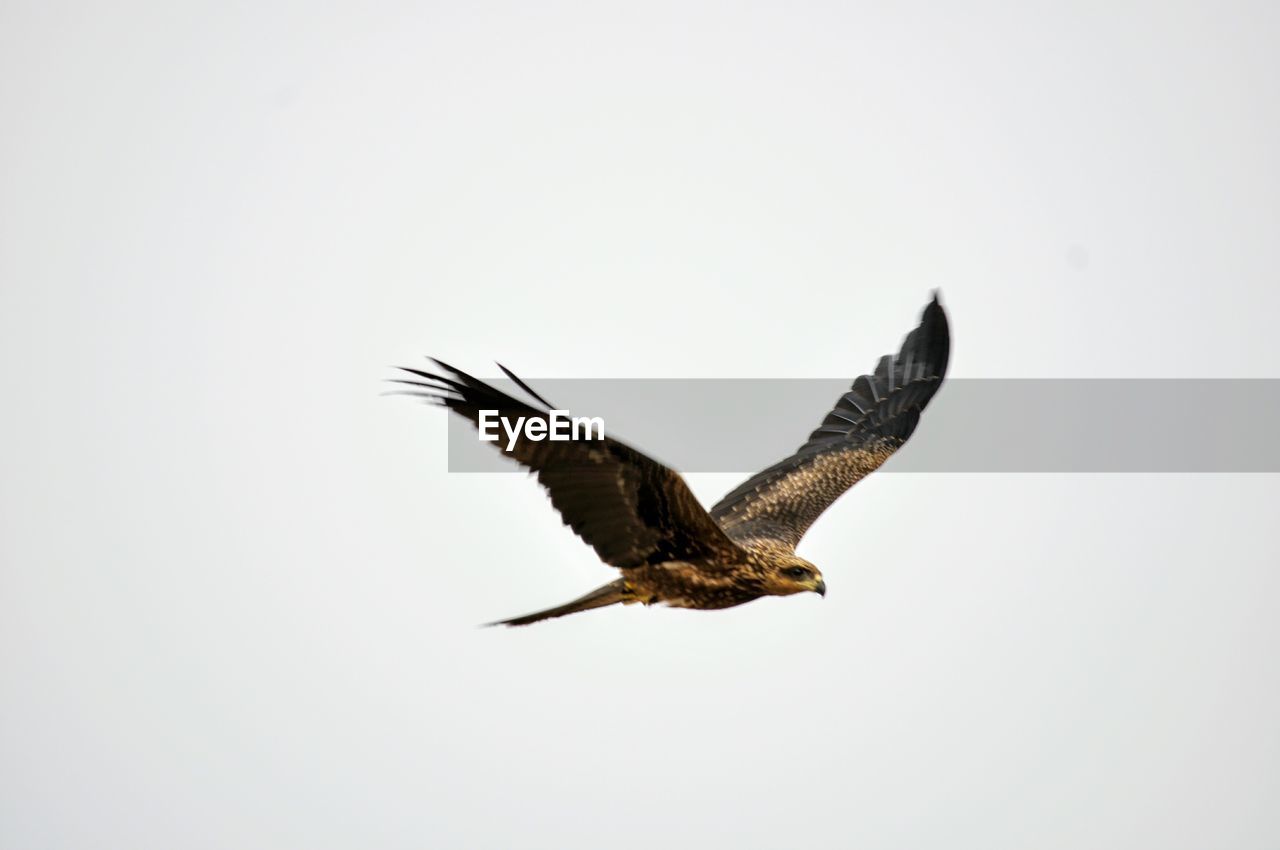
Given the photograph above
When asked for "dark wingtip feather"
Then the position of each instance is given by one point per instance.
(522, 385)
(462, 393)
(932, 339)
(464, 378)
(447, 384)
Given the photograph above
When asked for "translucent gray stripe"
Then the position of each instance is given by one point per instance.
(974, 425)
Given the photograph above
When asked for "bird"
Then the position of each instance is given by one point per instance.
(641, 517)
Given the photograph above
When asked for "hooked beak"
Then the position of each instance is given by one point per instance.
(820, 588)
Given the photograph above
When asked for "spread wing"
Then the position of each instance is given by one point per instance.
(631, 509)
(866, 426)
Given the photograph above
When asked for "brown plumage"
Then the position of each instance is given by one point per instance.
(641, 517)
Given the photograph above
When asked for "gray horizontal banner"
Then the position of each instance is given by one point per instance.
(973, 425)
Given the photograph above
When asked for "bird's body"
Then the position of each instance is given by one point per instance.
(706, 586)
(683, 585)
(640, 516)
(680, 584)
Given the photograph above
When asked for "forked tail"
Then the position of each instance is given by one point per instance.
(610, 594)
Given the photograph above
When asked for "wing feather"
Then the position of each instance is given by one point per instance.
(630, 508)
(867, 425)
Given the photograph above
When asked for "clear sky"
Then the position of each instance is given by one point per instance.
(239, 591)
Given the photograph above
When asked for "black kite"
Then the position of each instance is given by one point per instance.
(641, 517)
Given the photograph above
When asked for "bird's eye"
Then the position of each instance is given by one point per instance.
(796, 572)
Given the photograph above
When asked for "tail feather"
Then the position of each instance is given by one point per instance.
(612, 593)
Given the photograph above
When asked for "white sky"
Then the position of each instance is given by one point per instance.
(238, 592)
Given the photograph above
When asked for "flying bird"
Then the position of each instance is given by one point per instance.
(641, 517)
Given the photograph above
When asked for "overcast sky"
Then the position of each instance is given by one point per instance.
(239, 591)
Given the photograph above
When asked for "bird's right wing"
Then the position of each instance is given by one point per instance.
(631, 509)
(865, 427)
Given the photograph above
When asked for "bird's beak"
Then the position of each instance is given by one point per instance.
(820, 588)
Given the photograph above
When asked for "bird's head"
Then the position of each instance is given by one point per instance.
(789, 574)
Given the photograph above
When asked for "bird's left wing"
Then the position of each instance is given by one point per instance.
(865, 427)
(631, 509)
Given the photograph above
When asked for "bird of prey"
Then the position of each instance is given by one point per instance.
(641, 517)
